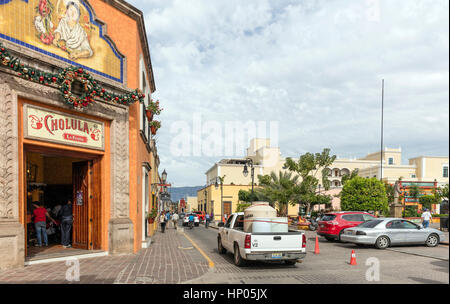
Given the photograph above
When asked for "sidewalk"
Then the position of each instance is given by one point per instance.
(170, 259)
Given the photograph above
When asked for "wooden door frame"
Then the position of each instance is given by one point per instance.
(64, 151)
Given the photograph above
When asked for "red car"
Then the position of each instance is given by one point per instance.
(200, 215)
(332, 225)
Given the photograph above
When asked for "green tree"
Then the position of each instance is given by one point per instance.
(309, 167)
(390, 192)
(428, 200)
(279, 190)
(363, 194)
(242, 206)
(415, 192)
(350, 176)
(443, 192)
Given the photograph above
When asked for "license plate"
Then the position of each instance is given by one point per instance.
(323, 226)
(349, 232)
(277, 255)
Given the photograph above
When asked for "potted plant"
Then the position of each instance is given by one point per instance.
(153, 109)
(154, 126)
(152, 215)
(149, 115)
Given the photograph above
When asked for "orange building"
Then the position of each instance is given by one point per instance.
(75, 79)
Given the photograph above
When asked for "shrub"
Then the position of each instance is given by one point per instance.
(362, 194)
(411, 211)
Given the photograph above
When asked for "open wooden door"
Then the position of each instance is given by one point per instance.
(81, 210)
(95, 204)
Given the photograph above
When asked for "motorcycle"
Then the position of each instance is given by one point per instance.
(313, 224)
(191, 224)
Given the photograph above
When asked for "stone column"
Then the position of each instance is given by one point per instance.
(12, 238)
(121, 233)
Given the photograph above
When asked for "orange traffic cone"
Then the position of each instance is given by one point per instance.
(353, 258)
(317, 250)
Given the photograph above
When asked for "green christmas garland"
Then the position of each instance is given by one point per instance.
(65, 79)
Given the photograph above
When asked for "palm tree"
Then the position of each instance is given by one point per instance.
(282, 189)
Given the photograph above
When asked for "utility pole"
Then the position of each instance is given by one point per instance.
(382, 122)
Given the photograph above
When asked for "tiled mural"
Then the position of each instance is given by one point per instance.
(63, 29)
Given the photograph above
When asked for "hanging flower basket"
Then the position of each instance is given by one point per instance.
(149, 115)
(154, 126)
(154, 107)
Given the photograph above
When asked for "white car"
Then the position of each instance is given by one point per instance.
(186, 219)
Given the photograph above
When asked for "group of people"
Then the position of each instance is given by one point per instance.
(166, 217)
(64, 215)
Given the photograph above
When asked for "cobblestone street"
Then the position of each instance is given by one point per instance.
(171, 259)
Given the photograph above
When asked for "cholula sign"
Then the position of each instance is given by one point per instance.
(57, 127)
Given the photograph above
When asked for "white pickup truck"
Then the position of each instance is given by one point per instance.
(262, 246)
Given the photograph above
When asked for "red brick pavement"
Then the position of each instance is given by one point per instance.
(171, 259)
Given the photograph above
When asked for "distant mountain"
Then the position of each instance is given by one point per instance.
(177, 193)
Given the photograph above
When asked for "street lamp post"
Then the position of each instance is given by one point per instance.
(163, 190)
(249, 161)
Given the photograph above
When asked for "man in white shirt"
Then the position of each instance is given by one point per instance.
(426, 217)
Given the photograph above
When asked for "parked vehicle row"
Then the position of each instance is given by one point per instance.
(360, 228)
(363, 228)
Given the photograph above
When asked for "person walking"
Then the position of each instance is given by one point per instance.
(40, 215)
(162, 221)
(167, 218)
(66, 215)
(175, 218)
(207, 218)
(426, 217)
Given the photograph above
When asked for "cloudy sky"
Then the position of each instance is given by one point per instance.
(314, 67)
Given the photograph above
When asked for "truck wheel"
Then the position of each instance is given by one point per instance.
(329, 239)
(220, 247)
(238, 260)
(290, 262)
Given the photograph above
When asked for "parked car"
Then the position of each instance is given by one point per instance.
(386, 232)
(332, 225)
(264, 246)
(182, 214)
(186, 219)
(200, 215)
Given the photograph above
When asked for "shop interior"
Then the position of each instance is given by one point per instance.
(49, 180)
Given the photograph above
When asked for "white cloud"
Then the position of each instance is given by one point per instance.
(314, 66)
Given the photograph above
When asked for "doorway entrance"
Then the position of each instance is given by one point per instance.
(54, 177)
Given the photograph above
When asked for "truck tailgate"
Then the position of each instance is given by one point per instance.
(291, 241)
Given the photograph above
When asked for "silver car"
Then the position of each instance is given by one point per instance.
(384, 232)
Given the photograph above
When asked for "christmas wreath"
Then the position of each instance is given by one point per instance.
(66, 79)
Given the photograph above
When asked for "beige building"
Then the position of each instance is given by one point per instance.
(267, 159)
(210, 199)
(191, 203)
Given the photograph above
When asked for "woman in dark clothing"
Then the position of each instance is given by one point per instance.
(66, 224)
